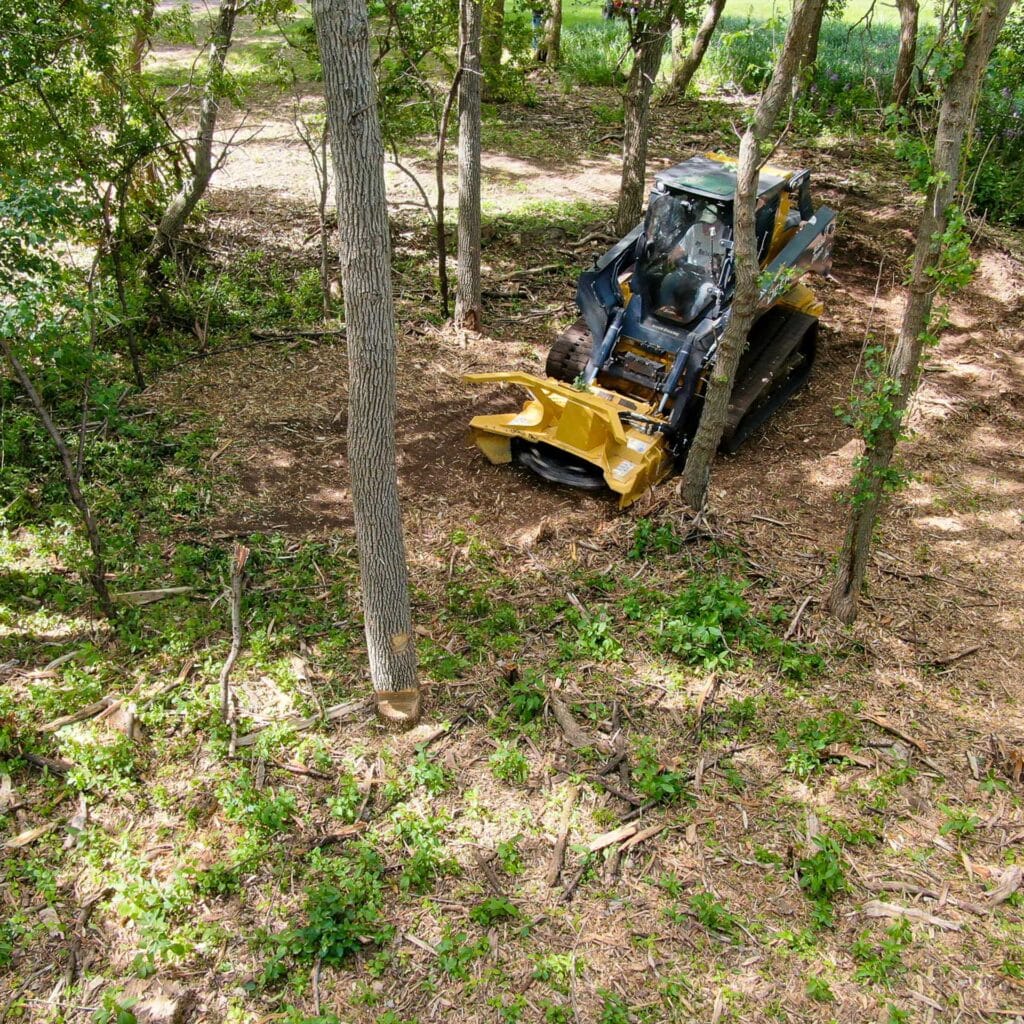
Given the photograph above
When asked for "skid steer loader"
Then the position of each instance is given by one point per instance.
(625, 384)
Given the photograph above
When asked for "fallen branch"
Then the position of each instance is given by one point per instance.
(876, 908)
(548, 268)
(492, 879)
(951, 659)
(140, 597)
(558, 853)
(241, 555)
(886, 726)
(336, 713)
(577, 736)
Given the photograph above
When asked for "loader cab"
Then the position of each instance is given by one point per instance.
(683, 263)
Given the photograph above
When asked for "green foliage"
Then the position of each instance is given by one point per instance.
(493, 910)
(342, 915)
(649, 539)
(882, 964)
(592, 55)
(104, 761)
(819, 990)
(714, 915)
(822, 878)
(959, 822)
(525, 696)
(509, 764)
(654, 781)
(425, 859)
(558, 970)
(614, 1009)
(594, 639)
(428, 772)
(805, 745)
(455, 953)
(509, 857)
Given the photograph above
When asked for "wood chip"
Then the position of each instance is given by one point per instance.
(30, 835)
(876, 908)
(615, 836)
(1009, 883)
(140, 597)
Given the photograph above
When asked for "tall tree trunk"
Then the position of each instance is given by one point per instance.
(72, 481)
(902, 80)
(697, 470)
(467, 292)
(684, 70)
(493, 33)
(648, 47)
(194, 188)
(440, 234)
(551, 47)
(810, 57)
(343, 32)
(954, 126)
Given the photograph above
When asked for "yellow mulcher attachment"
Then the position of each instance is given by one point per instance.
(586, 425)
(626, 382)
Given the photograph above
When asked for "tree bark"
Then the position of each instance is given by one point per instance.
(954, 126)
(72, 481)
(343, 33)
(551, 47)
(194, 188)
(903, 78)
(493, 33)
(440, 236)
(467, 291)
(810, 57)
(648, 46)
(683, 72)
(697, 470)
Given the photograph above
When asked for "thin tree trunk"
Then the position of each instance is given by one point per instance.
(903, 78)
(467, 292)
(343, 32)
(954, 126)
(493, 33)
(184, 202)
(648, 49)
(697, 470)
(72, 480)
(140, 37)
(551, 48)
(440, 239)
(683, 72)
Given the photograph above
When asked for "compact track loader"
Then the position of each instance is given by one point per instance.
(625, 384)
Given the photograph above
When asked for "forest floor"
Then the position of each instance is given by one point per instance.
(825, 823)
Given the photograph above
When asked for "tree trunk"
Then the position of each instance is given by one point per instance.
(181, 206)
(493, 33)
(72, 481)
(903, 78)
(810, 57)
(697, 470)
(683, 72)
(343, 33)
(141, 34)
(954, 126)
(440, 235)
(648, 48)
(552, 45)
(467, 291)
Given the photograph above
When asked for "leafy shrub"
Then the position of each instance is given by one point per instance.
(103, 761)
(822, 878)
(492, 910)
(591, 54)
(509, 764)
(525, 696)
(342, 916)
(649, 539)
(654, 781)
(882, 964)
(804, 746)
